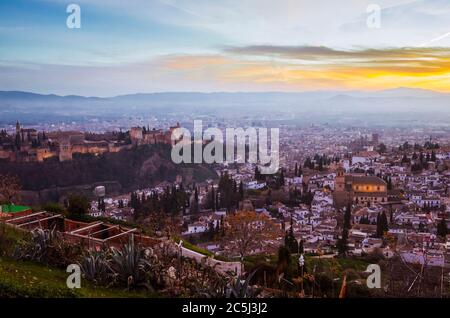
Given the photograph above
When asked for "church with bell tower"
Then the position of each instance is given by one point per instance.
(358, 189)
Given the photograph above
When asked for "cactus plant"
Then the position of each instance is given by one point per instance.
(130, 265)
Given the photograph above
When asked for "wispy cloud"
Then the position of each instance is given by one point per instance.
(320, 52)
(304, 67)
(436, 39)
(253, 68)
(225, 45)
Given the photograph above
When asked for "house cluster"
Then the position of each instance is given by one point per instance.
(415, 201)
(115, 208)
(409, 184)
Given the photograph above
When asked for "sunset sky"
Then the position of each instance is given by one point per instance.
(223, 45)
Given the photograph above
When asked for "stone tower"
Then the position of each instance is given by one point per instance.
(341, 196)
(136, 135)
(339, 185)
(65, 150)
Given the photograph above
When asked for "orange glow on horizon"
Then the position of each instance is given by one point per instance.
(426, 68)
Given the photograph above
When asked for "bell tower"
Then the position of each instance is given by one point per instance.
(339, 183)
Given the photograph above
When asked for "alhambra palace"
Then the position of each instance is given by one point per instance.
(29, 145)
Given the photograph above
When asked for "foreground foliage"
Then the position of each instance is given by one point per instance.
(30, 279)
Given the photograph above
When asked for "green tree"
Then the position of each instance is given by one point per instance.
(257, 173)
(281, 180)
(194, 208)
(284, 260)
(382, 148)
(78, 204)
(348, 216)
(241, 190)
(52, 207)
(229, 196)
(442, 229)
(342, 243)
(301, 249)
(433, 156)
(290, 241)
(382, 225)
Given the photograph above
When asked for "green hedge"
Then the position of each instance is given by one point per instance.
(193, 247)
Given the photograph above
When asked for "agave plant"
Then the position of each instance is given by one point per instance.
(95, 267)
(129, 266)
(241, 288)
(38, 248)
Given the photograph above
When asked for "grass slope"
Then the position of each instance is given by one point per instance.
(28, 279)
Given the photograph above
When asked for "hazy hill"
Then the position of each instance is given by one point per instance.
(35, 108)
(124, 171)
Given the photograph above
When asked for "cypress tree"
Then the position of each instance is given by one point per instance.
(241, 190)
(342, 243)
(348, 216)
(442, 229)
(213, 198)
(382, 225)
(290, 241)
(282, 177)
(300, 247)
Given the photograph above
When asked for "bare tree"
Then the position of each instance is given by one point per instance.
(9, 187)
(246, 231)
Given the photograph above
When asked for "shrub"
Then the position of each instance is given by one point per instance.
(130, 266)
(47, 246)
(78, 204)
(325, 283)
(10, 237)
(95, 267)
(355, 290)
(375, 256)
(53, 207)
(241, 288)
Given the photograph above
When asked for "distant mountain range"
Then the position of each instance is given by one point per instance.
(409, 104)
(27, 96)
(176, 96)
(401, 92)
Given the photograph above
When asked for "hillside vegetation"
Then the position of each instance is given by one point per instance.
(139, 167)
(29, 279)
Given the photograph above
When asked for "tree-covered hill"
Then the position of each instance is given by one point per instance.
(138, 167)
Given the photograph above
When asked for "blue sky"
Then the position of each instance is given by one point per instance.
(35, 31)
(205, 45)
